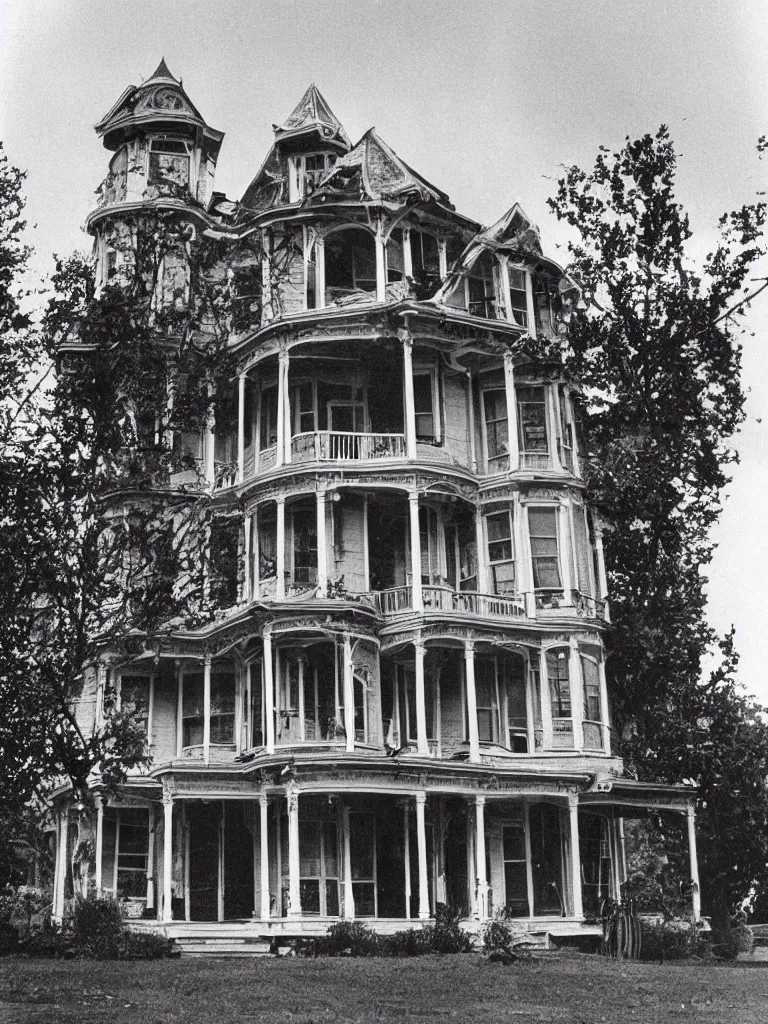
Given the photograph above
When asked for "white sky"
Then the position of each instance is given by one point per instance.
(486, 98)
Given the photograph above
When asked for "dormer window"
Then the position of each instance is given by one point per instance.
(425, 259)
(481, 289)
(306, 171)
(169, 162)
(518, 296)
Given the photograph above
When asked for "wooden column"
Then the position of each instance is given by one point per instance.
(280, 554)
(482, 569)
(280, 443)
(349, 693)
(346, 846)
(207, 709)
(240, 428)
(421, 841)
(99, 851)
(417, 601)
(151, 859)
(694, 859)
(573, 815)
(469, 674)
(294, 864)
(381, 266)
(269, 693)
(410, 401)
(421, 706)
(322, 551)
(509, 388)
(546, 704)
(264, 855)
(407, 858)
(62, 858)
(602, 578)
(248, 558)
(167, 857)
(577, 693)
(481, 872)
(471, 421)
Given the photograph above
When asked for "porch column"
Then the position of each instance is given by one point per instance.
(471, 421)
(482, 573)
(320, 272)
(410, 402)
(553, 415)
(150, 858)
(349, 693)
(280, 544)
(269, 693)
(421, 707)
(604, 706)
(179, 708)
(469, 673)
(421, 840)
(573, 814)
(255, 558)
(61, 858)
(346, 846)
(264, 855)
(101, 676)
(207, 709)
(509, 387)
(99, 851)
(381, 273)
(248, 558)
(602, 578)
(280, 444)
(288, 428)
(167, 856)
(481, 872)
(322, 555)
(407, 858)
(577, 693)
(417, 601)
(209, 448)
(294, 894)
(240, 427)
(564, 529)
(695, 889)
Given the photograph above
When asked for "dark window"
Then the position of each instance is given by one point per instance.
(532, 414)
(542, 529)
(518, 297)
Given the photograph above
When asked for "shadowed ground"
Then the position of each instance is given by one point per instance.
(575, 988)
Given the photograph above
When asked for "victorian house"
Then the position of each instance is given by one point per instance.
(401, 700)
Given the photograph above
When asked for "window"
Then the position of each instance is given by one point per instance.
(481, 290)
(268, 418)
(168, 162)
(487, 699)
(423, 400)
(222, 707)
(192, 709)
(304, 409)
(132, 842)
(362, 850)
(395, 263)
(559, 682)
(304, 546)
(515, 867)
(566, 431)
(318, 868)
(496, 428)
(501, 552)
(350, 265)
(517, 708)
(542, 530)
(592, 704)
(134, 692)
(425, 259)
(518, 296)
(532, 417)
(267, 536)
(306, 173)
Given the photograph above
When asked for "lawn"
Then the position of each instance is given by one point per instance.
(579, 989)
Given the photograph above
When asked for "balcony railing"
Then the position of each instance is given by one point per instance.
(593, 733)
(343, 446)
(489, 604)
(535, 460)
(392, 601)
(439, 598)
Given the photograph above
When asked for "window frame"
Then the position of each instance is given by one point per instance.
(489, 423)
(434, 392)
(521, 424)
(520, 317)
(155, 145)
(558, 556)
(140, 870)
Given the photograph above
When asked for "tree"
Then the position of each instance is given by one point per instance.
(656, 346)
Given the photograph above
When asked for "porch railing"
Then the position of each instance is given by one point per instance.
(343, 446)
(489, 604)
(441, 598)
(393, 600)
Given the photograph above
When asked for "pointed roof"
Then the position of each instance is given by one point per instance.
(514, 231)
(162, 72)
(161, 100)
(312, 114)
(372, 170)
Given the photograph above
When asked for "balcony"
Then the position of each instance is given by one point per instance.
(396, 600)
(346, 446)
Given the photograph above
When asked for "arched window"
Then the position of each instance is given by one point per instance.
(350, 267)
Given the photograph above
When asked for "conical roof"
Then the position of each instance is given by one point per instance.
(161, 100)
(312, 114)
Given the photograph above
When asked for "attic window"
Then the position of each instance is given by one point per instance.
(425, 259)
(518, 296)
(168, 162)
(307, 170)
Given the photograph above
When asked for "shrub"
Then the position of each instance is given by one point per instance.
(145, 946)
(97, 926)
(344, 938)
(676, 940)
(408, 942)
(502, 943)
(728, 944)
(446, 934)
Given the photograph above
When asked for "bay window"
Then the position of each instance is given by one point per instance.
(268, 418)
(192, 713)
(496, 429)
(134, 693)
(223, 707)
(487, 695)
(427, 423)
(545, 560)
(518, 296)
(558, 676)
(532, 426)
(593, 716)
(168, 162)
(501, 555)
(481, 288)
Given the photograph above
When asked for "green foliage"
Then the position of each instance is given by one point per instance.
(656, 346)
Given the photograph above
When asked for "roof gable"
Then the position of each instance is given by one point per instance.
(312, 114)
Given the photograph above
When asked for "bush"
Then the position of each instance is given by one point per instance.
(501, 943)
(446, 934)
(344, 938)
(353, 938)
(97, 926)
(408, 942)
(145, 946)
(676, 940)
(728, 944)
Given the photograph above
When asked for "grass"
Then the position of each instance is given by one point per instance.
(574, 988)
